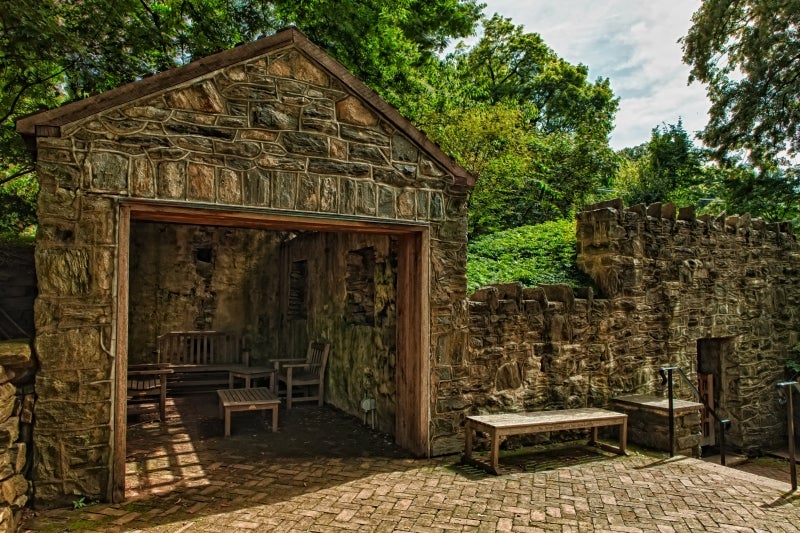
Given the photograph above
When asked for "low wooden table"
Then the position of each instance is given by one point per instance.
(249, 373)
(257, 399)
(499, 425)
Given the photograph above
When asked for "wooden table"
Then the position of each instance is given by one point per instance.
(249, 373)
(256, 399)
(499, 425)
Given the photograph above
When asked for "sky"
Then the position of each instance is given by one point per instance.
(634, 44)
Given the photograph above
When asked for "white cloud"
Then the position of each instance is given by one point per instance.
(634, 44)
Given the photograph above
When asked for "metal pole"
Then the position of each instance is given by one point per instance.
(671, 414)
(792, 462)
(790, 424)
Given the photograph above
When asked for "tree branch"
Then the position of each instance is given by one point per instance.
(16, 175)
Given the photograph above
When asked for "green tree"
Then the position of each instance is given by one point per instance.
(746, 53)
(668, 168)
(527, 123)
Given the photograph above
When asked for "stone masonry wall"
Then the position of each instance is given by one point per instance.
(668, 282)
(187, 277)
(362, 356)
(276, 133)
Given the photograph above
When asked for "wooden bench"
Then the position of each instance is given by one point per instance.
(256, 399)
(148, 383)
(200, 360)
(501, 425)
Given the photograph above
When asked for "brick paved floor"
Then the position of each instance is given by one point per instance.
(324, 472)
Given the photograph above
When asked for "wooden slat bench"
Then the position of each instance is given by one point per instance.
(200, 360)
(496, 426)
(256, 399)
(148, 383)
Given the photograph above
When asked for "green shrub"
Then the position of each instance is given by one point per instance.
(533, 255)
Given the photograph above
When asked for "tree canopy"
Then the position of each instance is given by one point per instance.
(530, 125)
(746, 52)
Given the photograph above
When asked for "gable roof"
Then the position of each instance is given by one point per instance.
(48, 123)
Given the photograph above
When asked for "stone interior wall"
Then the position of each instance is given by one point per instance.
(18, 282)
(363, 351)
(669, 282)
(187, 277)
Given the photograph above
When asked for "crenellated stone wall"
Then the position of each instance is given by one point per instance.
(720, 295)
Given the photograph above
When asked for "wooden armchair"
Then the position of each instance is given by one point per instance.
(304, 374)
(146, 382)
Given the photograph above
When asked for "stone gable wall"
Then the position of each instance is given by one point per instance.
(276, 133)
(667, 283)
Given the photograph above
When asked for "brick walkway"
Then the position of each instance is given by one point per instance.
(190, 482)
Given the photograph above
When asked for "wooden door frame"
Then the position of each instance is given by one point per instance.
(412, 372)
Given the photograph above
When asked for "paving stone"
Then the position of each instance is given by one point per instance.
(208, 483)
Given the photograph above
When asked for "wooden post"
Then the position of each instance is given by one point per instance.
(120, 366)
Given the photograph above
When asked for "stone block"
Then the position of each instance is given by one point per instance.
(229, 188)
(9, 432)
(202, 96)
(109, 171)
(243, 149)
(328, 197)
(366, 203)
(368, 153)
(274, 116)
(308, 193)
(363, 135)
(296, 66)
(201, 182)
(13, 487)
(257, 187)
(351, 110)
(406, 205)
(171, 180)
(250, 91)
(177, 128)
(338, 168)
(404, 150)
(386, 203)
(303, 143)
(285, 192)
(15, 353)
(63, 271)
(70, 350)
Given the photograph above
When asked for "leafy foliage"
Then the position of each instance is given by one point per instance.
(18, 208)
(746, 52)
(527, 123)
(668, 168)
(532, 255)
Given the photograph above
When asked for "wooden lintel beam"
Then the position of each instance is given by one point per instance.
(155, 212)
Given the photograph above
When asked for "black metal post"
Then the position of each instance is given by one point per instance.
(790, 413)
(722, 427)
(671, 413)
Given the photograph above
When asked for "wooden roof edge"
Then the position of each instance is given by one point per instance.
(51, 120)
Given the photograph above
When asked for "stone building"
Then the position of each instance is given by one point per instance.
(262, 191)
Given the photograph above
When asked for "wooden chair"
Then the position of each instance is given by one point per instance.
(304, 374)
(149, 381)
